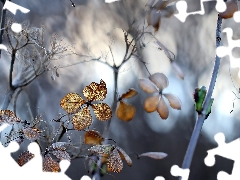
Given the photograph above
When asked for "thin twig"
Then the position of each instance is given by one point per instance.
(198, 126)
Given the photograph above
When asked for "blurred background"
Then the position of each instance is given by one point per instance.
(92, 26)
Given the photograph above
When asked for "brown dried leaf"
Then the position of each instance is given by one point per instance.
(155, 19)
(102, 111)
(151, 103)
(8, 116)
(82, 119)
(93, 138)
(125, 111)
(124, 155)
(131, 93)
(162, 109)
(72, 102)
(147, 86)
(25, 157)
(114, 162)
(50, 165)
(154, 155)
(174, 101)
(95, 91)
(232, 7)
(160, 80)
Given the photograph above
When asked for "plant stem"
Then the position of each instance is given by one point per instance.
(198, 126)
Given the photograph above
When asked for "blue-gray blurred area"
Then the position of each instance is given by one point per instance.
(92, 26)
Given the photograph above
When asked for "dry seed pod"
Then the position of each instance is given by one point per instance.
(232, 7)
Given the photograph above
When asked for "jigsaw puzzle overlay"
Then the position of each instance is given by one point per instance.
(228, 150)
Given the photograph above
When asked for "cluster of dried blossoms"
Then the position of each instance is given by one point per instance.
(111, 155)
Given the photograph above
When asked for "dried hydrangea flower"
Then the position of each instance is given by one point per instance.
(155, 85)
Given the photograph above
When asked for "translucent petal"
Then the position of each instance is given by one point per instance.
(49, 165)
(151, 103)
(160, 80)
(92, 137)
(125, 111)
(62, 155)
(102, 149)
(82, 119)
(24, 158)
(131, 93)
(72, 102)
(162, 109)
(124, 155)
(154, 155)
(174, 101)
(147, 86)
(59, 146)
(102, 111)
(8, 116)
(95, 91)
(114, 162)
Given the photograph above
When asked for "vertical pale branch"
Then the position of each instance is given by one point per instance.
(3, 17)
(198, 126)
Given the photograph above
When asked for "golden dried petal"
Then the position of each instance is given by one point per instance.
(31, 133)
(82, 119)
(49, 165)
(151, 103)
(92, 137)
(114, 162)
(147, 86)
(95, 91)
(125, 111)
(102, 111)
(131, 93)
(162, 109)
(160, 80)
(8, 116)
(175, 103)
(24, 158)
(71, 102)
(124, 155)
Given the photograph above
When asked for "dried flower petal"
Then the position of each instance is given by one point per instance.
(24, 158)
(95, 92)
(162, 109)
(72, 102)
(59, 146)
(114, 162)
(124, 155)
(125, 111)
(151, 103)
(93, 137)
(31, 133)
(160, 4)
(175, 103)
(160, 80)
(131, 93)
(8, 116)
(49, 165)
(62, 155)
(147, 86)
(154, 155)
(82, 119)
(102, 111)
(102, 149)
